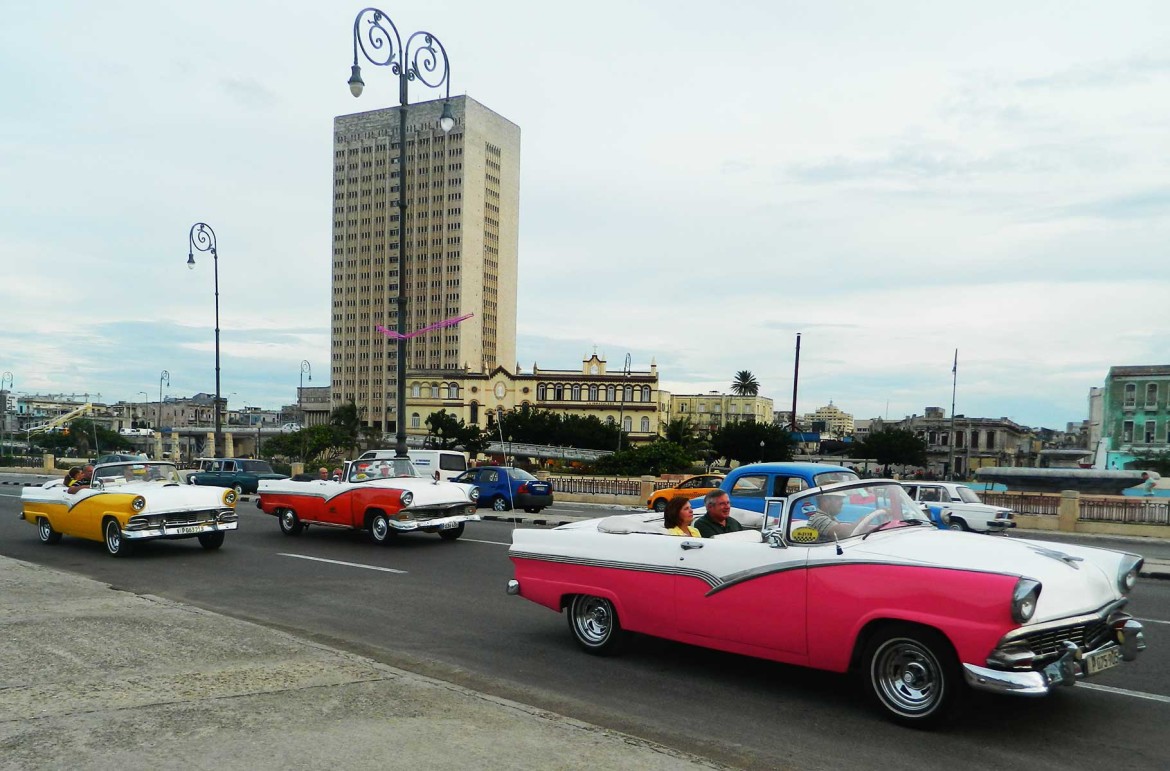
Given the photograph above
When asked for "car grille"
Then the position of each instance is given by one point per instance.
(1046, 644)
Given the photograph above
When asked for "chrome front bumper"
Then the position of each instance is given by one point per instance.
(438, 523)
(1066, 670)
(178, 531)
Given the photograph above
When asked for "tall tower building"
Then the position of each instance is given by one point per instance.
(462, 224)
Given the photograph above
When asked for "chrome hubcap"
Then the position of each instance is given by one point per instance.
(593, 619)
(380, 528)
(289, 519)
(113, 537)
(907, 677)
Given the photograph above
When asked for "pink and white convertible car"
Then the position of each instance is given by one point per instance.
(845, 577)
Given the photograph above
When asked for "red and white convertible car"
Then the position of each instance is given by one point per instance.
(862, 582)
(383, 497)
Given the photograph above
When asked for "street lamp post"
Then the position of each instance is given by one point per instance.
(164, 377)
(424, 59)
(305, 368)
(145, 405)
(622, 398)
(4, 414)
(202, 238)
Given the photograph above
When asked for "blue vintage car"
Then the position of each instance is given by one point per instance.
(748, 486)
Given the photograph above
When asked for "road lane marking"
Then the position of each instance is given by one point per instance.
(1125, 692)
(1152, 621)
(495, 543)
(339, 562)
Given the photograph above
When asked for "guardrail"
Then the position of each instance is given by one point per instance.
(596, 486)
(1090, 508)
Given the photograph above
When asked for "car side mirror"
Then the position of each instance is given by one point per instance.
(775, 539)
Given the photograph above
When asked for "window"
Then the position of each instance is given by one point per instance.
(645, 393)
(592, 393)
(1130, 395)
(1151, 394)
(610, 394)
(627, 424)
(415, 390)
(560, 392)
(750, 486)
(453, 391)
(1150, 430)
(1127, 431)
(974, 440)
(540, 392)
(576, 392)
(414, 420)
(645, 426)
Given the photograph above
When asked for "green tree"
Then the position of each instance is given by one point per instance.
(313, 444)
(745, 384)
(894, 445)
(346, 419)
(83, 437)
(750, 442)
(654, 458)
(681, 431)
(536, 426)
(450, 432)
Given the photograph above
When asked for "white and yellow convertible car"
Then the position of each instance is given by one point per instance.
(128, 502)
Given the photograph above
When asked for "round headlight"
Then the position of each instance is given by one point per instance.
(229, 497)
(1128, 571)
(1024, 599)
(474, 494)
(407, 497)
(138, 504)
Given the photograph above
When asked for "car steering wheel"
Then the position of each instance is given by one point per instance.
(865, 521)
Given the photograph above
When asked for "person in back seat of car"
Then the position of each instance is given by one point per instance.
(718, 519)
(677, 517)
(82, 481)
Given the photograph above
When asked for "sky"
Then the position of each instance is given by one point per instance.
(700, 183)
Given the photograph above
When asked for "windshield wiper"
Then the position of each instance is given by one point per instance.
(905, 522)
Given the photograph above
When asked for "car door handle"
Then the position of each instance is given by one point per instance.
(688, 545)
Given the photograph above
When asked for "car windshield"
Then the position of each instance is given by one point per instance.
(967, 495)
(115, 474)
(824, 516)
(831, 477)
(391, 468)
(520, 474)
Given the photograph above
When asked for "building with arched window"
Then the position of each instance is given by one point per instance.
(630, 399)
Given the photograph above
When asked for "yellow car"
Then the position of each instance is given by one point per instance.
(694, 487)
(128, 502)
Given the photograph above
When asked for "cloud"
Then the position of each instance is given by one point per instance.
(1099, 75)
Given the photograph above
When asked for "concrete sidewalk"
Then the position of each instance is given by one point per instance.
(94, 677)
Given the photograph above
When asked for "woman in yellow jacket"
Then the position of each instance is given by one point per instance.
(677, 518)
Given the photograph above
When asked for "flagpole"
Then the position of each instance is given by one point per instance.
(954, 387)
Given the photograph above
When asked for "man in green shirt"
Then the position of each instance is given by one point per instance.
(718, 519)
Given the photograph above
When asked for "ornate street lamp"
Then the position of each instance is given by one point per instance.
(202, 238)
(622, 407)
(305, 368)
(165, 376)
(4, 413)
(424, 59)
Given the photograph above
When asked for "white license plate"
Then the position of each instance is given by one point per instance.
(448, 525)
(1102, 660)
(188, 529)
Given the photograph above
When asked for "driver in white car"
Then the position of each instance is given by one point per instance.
(824, 519)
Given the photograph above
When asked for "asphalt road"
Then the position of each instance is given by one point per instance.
(439, 608)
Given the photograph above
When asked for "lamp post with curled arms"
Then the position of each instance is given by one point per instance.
(7, 376)
(422, 58)
(306, 368)
(202, 239)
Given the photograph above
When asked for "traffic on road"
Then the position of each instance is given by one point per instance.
(439, 608)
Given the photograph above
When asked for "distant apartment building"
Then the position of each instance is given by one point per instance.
(971, 442)
(461, 227)
(713, 410)
(830, 421)
(629, 399)
(1135, 414)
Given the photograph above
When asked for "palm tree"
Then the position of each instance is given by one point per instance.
(745, 384)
